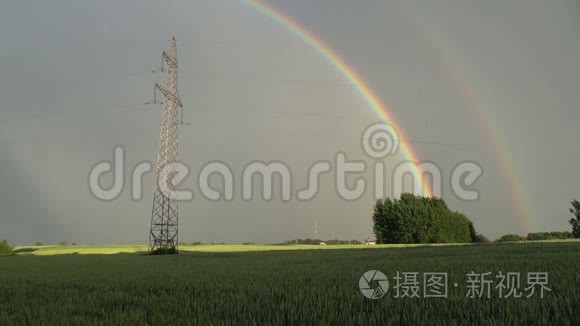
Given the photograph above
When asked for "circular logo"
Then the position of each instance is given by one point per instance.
(365, 284)
(380, 140)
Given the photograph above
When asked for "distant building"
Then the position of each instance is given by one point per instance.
(322, 243)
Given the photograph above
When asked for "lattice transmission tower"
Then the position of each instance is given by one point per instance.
(164, 232)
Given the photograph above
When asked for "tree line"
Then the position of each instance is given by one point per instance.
(318, 241)
(415, 219)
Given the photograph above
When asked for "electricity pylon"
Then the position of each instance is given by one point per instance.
(164, 232)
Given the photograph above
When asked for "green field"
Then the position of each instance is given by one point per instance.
(229, 284)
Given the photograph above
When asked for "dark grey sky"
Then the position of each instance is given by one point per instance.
(500, 76)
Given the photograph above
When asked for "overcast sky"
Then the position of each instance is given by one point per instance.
(493, 81)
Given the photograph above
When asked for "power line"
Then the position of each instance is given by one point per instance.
(333, 136)
(284, 46)
(65, 114)
(214, 109)
(206, 125)
(273, 79)
(243, 77)
(116, 108)
(113, 76)
(68, 112)
(155, 44)
(26, 141)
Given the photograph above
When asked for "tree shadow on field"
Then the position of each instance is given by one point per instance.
(23, 250)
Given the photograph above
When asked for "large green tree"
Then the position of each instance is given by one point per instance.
(575, 221)
(414, 219)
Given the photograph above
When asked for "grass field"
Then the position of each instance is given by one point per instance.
(223, 284)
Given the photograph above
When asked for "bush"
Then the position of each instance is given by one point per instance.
(414, 219)
(549, 236)
(575, 221)
(63, 243)
(480, 238)
(38, 243)
(337, 242)
(511, 238)
(317, 242)
(5, 248)
(303, 242)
